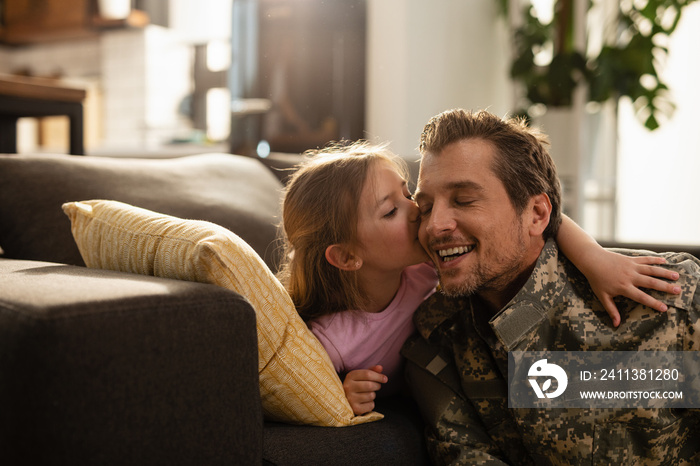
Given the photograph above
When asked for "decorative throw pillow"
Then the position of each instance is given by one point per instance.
(298, 383)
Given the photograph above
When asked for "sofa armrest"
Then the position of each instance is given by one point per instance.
(100, 367)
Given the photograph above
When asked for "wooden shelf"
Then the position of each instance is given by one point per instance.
(31, 22)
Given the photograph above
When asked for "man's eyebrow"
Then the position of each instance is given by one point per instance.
(473, 185)
(453, 186)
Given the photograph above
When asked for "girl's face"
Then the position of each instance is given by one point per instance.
(388, 221)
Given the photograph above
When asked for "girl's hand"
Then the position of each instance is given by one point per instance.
(361, 386)
(619, 275)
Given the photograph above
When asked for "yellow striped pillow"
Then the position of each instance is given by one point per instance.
(298, 383)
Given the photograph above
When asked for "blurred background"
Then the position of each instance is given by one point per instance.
(613, 83)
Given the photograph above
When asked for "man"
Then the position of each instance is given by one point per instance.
(489, 199)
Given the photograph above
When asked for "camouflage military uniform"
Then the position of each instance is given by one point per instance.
(458, 370)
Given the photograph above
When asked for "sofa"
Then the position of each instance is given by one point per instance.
(106, 367)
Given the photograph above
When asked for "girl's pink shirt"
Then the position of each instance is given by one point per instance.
(356, 339)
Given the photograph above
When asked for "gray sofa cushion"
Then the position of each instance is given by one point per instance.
(236, 192)
(100, 367)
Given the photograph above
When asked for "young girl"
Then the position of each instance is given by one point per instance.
(356, 271)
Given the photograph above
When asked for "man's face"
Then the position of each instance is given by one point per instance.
(468, 224)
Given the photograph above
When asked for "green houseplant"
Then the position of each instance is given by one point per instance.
(627, 63)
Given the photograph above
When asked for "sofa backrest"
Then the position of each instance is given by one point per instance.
(236, 192)
(693, 250)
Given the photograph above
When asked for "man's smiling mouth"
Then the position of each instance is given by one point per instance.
(450, 254)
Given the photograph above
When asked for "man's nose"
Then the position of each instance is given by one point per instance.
(440, 221)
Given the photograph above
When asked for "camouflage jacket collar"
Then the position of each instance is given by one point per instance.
(530, 306)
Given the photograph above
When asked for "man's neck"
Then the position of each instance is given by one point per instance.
(497, 295)
(497, 299)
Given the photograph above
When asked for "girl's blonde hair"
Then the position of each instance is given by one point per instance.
(319, 209)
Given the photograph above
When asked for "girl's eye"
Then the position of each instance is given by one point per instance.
(391, 213)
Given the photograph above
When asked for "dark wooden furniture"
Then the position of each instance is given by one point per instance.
(41, 21)
(308, 59)
(37, 97)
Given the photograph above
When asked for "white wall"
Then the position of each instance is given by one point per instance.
(659, 171)
(198, 22)
(427, 57)
(145, 74)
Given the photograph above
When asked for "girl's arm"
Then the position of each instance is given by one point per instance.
(611, 274)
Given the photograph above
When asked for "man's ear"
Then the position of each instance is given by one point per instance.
(540, 210)
(340, 256)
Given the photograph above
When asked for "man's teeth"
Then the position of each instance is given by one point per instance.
(452, 253)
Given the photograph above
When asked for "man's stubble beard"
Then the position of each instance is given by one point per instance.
(485, 277)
